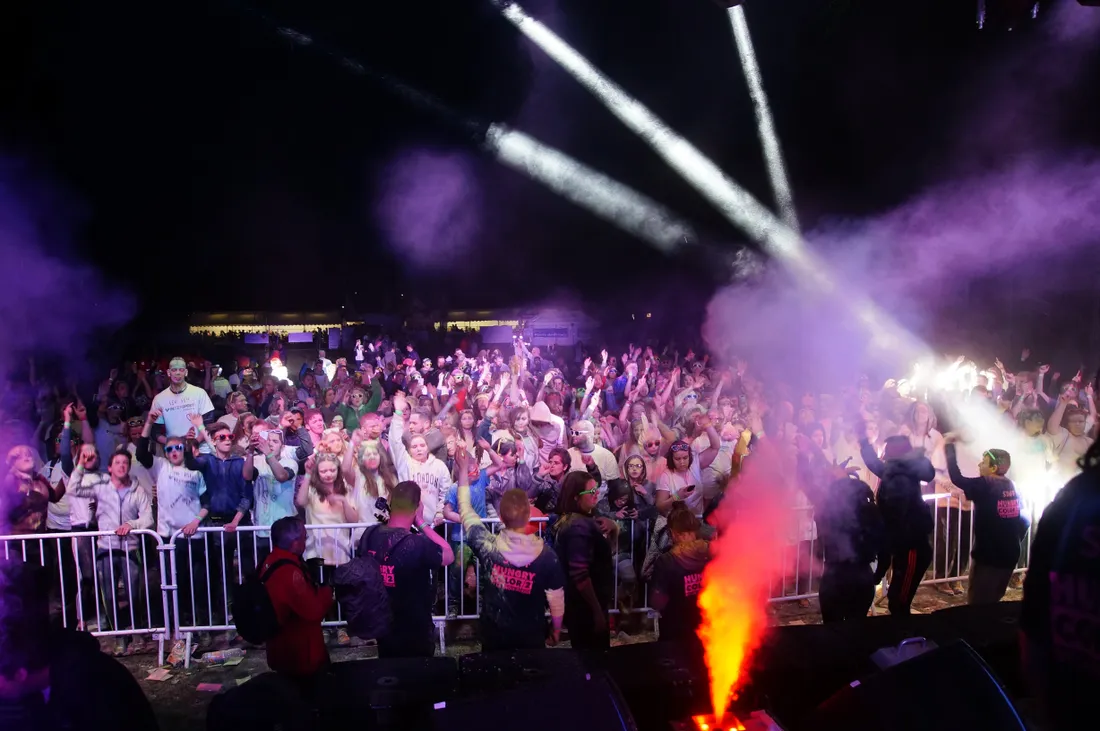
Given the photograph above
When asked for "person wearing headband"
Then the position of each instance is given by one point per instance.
(998, 525)
(181, 399)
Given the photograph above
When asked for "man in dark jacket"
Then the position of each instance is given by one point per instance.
(998, 525)
(907, 517)
(298, 649)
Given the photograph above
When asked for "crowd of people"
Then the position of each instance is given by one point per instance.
(434, 467)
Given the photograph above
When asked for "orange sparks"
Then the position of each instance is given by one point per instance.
(735, 582)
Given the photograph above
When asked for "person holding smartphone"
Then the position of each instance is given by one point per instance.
(684, 473)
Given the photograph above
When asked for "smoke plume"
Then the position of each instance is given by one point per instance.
(429, 208)
(52, 305)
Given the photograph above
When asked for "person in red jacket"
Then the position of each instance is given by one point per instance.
(298, 649)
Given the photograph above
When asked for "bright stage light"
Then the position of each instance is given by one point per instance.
(769, 140)
(588, 188)
(733, 201)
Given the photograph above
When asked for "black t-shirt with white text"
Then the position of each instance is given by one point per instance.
(514, 601)
(409, 576)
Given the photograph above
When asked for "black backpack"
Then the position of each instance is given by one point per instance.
(253, 613)
(361, 590)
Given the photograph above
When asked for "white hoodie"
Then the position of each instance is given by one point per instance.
(432, 475)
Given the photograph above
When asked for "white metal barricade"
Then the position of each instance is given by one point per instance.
(202, 569)
(107, 590)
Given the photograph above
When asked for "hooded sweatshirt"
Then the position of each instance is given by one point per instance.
(432, 475)
(550, 429)
(677, 580)
(907, 516)
(523, 576)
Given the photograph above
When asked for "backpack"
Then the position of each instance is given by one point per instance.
(361, 591)
(250, 604)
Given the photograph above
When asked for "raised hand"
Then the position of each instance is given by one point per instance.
(195, 419)
(154, 414)
(400, 403)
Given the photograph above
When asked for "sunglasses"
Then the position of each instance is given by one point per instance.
(223, 437)
(173, 448)
(576, 433)
(653, 444)
(587, 492)
(136, 422)
(681, 447)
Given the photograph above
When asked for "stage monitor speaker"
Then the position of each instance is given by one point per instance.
(395, 693)
(265, 703)
(489, 672)
(561, 703)
(661, 681)
(949, 689)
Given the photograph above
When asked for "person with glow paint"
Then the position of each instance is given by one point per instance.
(180, 400)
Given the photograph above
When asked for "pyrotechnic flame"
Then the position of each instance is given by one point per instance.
(736, 581)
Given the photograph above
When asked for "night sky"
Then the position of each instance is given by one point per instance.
(200, 151)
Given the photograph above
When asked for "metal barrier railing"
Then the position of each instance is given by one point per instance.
(195, 574)
(98, 574)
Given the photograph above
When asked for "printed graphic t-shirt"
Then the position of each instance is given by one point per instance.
(681, 616)
(513, 612)
(409, 575)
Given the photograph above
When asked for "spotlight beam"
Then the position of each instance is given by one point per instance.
(590, 189)
(734, 202)
(769, 140)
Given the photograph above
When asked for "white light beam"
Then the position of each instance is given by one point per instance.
(588, 188)
(769, 140)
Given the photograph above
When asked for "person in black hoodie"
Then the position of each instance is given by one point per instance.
(678, 577)
(907, 517)
(998, 525)
(524, 576)
(852, 536)
(585, 553)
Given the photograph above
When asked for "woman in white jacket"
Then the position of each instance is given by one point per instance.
(418, 464)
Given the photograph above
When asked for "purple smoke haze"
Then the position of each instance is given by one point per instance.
(1014, 205)
(429, 208)
(51, 304)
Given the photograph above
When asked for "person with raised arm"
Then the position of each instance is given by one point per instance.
(417, 464)
(524, 575)
(227, 501)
